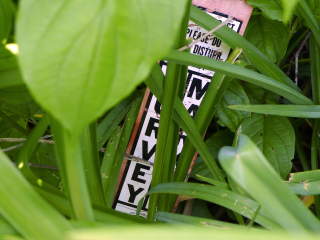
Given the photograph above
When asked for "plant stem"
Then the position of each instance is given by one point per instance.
(88, 142)
(72, 172)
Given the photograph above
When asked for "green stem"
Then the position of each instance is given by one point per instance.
(169, 93)
(88, 142)
(300, 151)
(72, 170)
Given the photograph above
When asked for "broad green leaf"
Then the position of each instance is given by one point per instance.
(214, 143)
(6, 19)
(221, 196)
(275, 137)
(267, 35)
(81, 57)
(24, 209)
(234, 94)
(271, 9)
(24, 109)
(251, 170)
(258, 95)
(300, 111)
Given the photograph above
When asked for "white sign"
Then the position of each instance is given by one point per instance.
(137, 176)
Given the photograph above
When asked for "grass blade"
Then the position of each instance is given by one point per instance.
(182, 117)
(300, 111)
(240, 73)
(21, 204)
(249, 168)
(310, 19)
(121, 141)
(221, 196)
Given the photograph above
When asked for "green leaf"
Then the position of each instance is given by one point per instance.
(221, 196)
(8, 131)
(288, 6)
(24, 209)
(46, 158)
(214, 144)
(271, 9)
(275, 137)
(81, 57)
(258, 95)
(240, 73)
(307, 176)
(305, 188)
(24, 109)
(315, 8)
(234, 94)
(180, 232)
(204, 222)
(251, 170)
(300, 111)
(6, 19)
(267, 35)
(12, 89)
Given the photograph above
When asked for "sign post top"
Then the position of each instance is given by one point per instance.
(235, 8)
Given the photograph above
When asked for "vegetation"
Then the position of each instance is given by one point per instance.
(75, 88)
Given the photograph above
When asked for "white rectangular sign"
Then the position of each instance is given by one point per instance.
(136, 178)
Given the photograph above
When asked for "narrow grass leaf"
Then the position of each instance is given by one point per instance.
(240, 73)
(221, 196)
(300, 111)
(249, 168)
(24, 209)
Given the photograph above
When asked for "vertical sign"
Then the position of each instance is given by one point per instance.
(136, 173)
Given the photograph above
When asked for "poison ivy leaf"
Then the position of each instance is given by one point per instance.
(81, 57)
(6, 19)
(275, 137)
(229, 117)
(214, 143)
(267, 35)
(271, 9)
